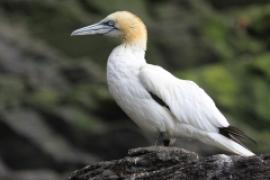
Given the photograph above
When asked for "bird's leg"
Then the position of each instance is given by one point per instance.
(159, 140)
(171, 141)
(164, 139)
(168, 141)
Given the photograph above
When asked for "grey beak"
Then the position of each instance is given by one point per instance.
(98, 28)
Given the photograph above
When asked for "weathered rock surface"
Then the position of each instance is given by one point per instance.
(176, 163)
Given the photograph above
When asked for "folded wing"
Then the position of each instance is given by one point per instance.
(189, 103)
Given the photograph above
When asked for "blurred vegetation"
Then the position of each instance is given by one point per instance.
(54, 105)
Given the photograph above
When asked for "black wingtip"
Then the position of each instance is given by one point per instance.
(236, 135)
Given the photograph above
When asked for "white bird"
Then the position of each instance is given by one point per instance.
(155, 99)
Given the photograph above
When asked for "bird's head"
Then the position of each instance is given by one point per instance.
(122, 24)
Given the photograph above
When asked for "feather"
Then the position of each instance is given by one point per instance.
(187, 101)
(158, 100)
(235, 134)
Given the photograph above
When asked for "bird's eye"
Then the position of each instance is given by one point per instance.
(109, 23)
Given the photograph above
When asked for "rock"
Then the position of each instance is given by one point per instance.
(176, 163)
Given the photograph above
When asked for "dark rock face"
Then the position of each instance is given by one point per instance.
(175, 163)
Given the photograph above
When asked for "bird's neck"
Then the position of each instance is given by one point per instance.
(126, 57)
(135, 43)
(135, 37)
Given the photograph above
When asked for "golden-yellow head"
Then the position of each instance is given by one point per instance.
(123, 24)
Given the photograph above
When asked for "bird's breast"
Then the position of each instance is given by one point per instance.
(122, 73)
(127, 90)
(123, 80)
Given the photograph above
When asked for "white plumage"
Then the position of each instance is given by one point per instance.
(151, 96)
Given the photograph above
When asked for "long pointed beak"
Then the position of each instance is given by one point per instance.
(98, 28)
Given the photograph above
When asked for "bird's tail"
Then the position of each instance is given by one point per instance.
(228, 144)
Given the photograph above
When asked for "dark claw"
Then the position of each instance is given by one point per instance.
(166, 142)
(164, 139)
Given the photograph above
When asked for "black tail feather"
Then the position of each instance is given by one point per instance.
(236, 135)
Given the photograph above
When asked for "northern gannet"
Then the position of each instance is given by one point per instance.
(155, 99)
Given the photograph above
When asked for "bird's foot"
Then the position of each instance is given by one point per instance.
(159, 140)
(164, 140)
(169, 142)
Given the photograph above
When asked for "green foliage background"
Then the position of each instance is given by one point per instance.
(54, 102)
